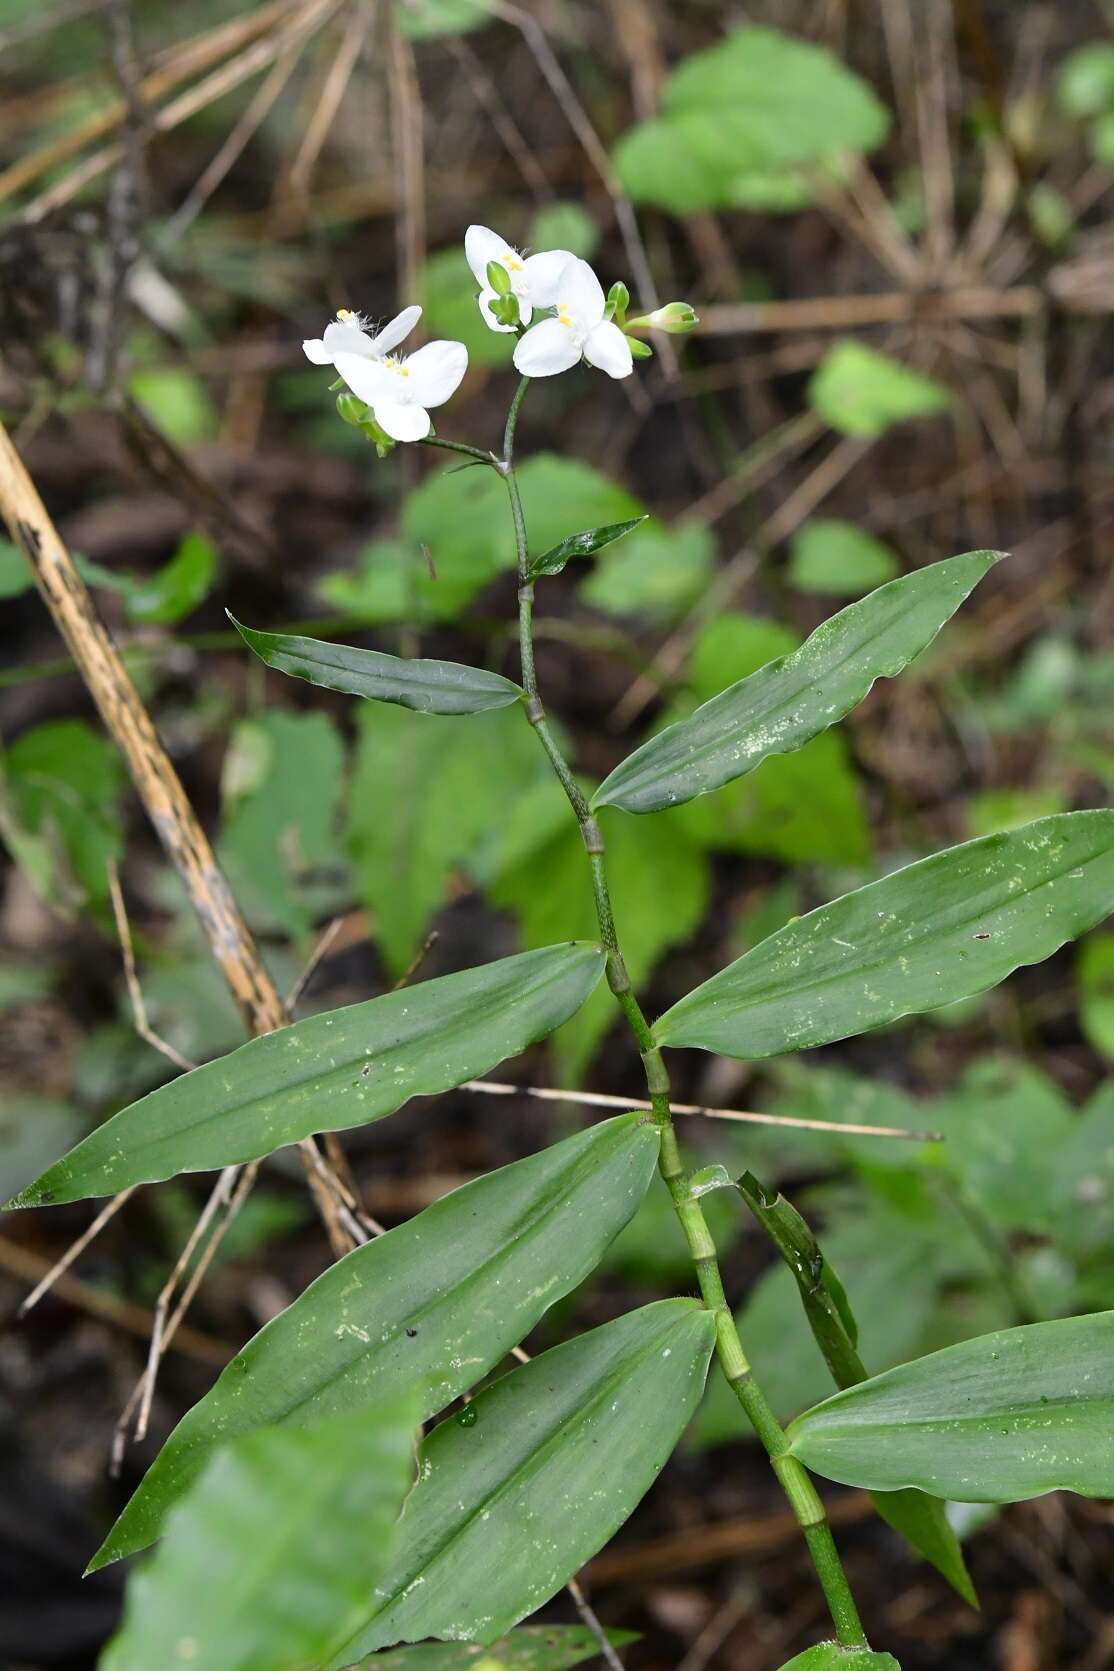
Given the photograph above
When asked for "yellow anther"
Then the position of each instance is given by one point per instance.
(345, 315)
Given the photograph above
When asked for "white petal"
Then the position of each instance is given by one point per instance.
(314, 349)
(436, 371)
(367, 377)
(394, 332)
(403, 423)
(546, 349)
(542, 272)
(607, 348)
(347, 339)
(482, 245)
(580, 291)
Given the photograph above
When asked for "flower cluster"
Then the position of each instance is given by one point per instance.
(394, 393)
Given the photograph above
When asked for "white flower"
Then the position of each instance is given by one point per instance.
(346, 335)
(533, 278)
(398, 390)
(580, 328)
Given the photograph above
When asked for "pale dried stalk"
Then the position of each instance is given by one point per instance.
(604, 1099)
(300, 174)
(838, 313)
(157, 783)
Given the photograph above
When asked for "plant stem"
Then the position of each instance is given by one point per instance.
(794, 1480)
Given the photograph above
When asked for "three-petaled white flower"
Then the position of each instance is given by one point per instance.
(533, 278)
(346, 335)
(580, 329)
(400, 390)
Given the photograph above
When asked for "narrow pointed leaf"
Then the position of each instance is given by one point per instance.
(778, 709)
(939, 930)
(432, 687)
(265, 1564)
(529, 1648)
(830, 1656)
(516, 1492)
(922, 1520)
(993, 1420)
(331, 1071)
(584, 544)
(430, 1307)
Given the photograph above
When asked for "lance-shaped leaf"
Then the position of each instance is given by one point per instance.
(528, 1481)
(993, 1420)
(939, 930)
(265, 1564)
(432, 687)
(430, 1307)
(331, 1071)
(584, 544)
(831, 1656)
(529, 1648)
(778, 709)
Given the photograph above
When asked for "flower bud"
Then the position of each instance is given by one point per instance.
(498, 278)
(505, 309)
(640, 350)
(674, 317)
(618, 301)
(352, 409)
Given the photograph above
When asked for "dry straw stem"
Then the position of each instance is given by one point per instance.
(157, 783)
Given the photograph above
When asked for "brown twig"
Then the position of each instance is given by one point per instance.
(77, 1247)
(20, 1262)
(839, 313)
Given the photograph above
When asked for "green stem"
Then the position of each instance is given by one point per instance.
(794, 1480)
(477, 453)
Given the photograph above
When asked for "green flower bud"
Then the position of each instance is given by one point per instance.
(640, 350)
(618, 301)
(498, 278)
(505, 309)
(352, 409)
(674, 317)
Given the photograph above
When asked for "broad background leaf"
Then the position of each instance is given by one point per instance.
(862, 392)
(266, 1564)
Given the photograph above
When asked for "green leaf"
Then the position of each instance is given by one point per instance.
(176, 589)
(428, 1308)
(424, 19)
(861, 392)
(565, 225)
(1006, 1126)
(421, 804)
(746, 108)
(529, 1648)
(178, 401)
(266, 1564)
(536, 1474)
(922, 1520)
(64, 784)
(1085, 84)
(830, 1656)
(332, 1071)
(1095, 973)
(659, 891)
(15, 572)
(431, 687)
(993, 1420)
(658, 572)
(792, 699)
(938, 930)
(464, 520)
(282, 782)
(840, 559)
(579, 545)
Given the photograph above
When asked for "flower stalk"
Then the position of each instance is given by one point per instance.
(796, 1483)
